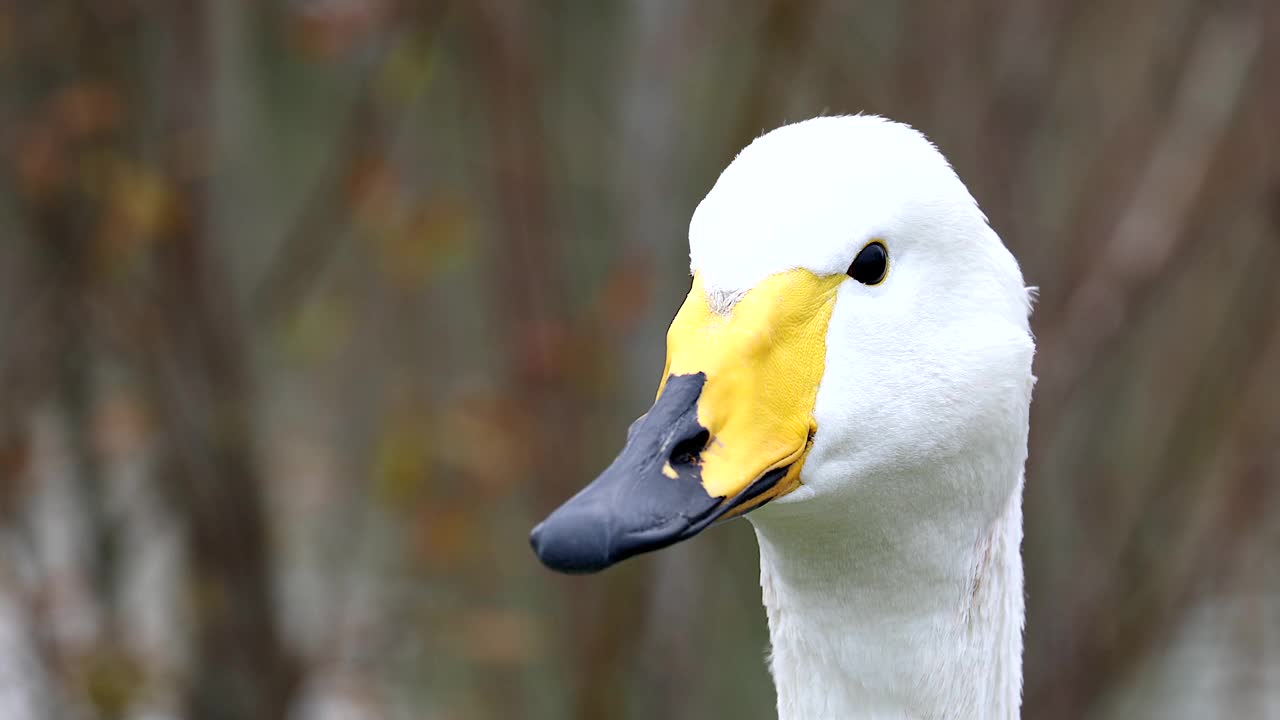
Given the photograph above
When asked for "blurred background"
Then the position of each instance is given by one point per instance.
(310, 309)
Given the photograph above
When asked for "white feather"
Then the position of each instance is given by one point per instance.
(892, 578)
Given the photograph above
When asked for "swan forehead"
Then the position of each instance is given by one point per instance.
(809, 195)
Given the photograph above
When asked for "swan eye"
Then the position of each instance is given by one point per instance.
(870, 266)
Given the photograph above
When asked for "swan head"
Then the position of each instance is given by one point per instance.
(853, 321)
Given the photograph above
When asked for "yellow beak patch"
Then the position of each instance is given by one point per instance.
(763, 360)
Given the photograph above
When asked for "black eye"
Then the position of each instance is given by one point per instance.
(870, 265)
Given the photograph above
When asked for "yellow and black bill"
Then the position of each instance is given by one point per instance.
(728, 432)
(650, 496)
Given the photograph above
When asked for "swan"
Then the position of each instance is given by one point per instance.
(851, 370)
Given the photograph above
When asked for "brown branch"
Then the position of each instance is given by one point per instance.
(1147, 236)
(311, 240)
(531, 309)
(1204, 514)
(785, 28)
(1125, 602)
(200, 385)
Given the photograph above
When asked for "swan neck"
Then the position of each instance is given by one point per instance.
(895, 621)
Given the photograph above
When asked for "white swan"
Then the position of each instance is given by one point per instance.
(855, 352)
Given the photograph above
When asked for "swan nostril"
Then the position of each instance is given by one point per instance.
(689, 450)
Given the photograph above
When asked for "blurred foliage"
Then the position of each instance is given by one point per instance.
(309, 310)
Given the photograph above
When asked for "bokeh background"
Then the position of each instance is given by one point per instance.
(309, 310)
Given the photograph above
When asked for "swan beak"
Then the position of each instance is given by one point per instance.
(729, 431)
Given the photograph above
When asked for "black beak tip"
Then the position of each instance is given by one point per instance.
(633, 506)
(534, 535)
(569, 547)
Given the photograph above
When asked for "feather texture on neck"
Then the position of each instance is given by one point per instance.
(885, 623)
